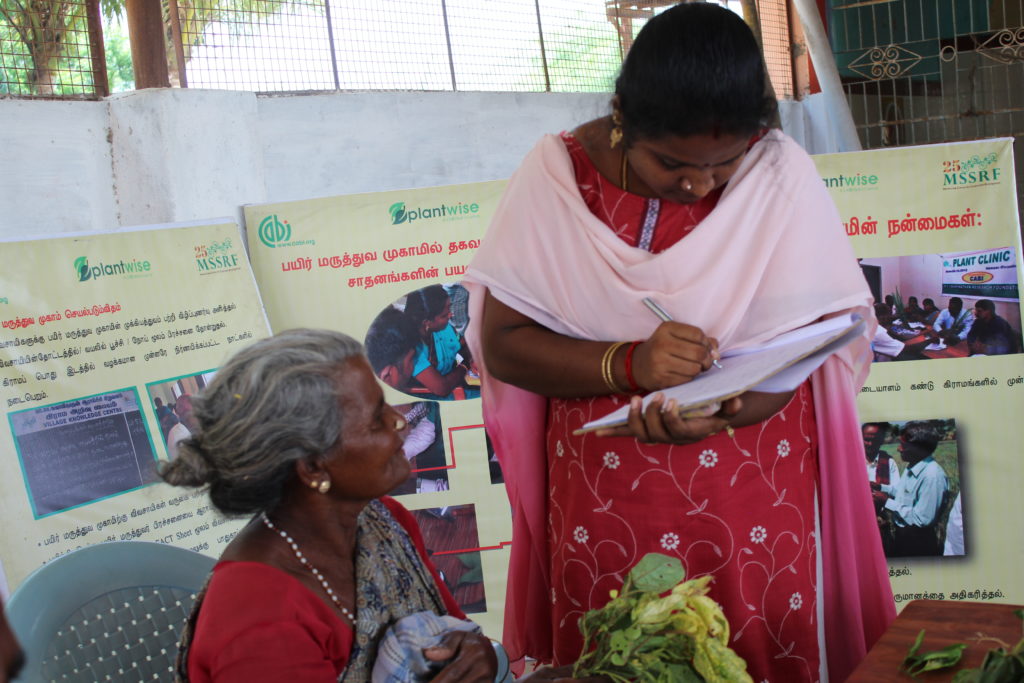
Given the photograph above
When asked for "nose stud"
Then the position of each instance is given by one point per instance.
(687, 185)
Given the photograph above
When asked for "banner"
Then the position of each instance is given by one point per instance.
(937, 234)
(103, 340)
(991, 274)
(385, 268)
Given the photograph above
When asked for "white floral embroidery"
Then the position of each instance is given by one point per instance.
(580, 534)
(783, 448)
(611, 460)
(670, 541)
(707, 458)
(559, 449)
(758, 534)
(796, 601)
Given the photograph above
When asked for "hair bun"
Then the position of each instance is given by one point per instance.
(190, 467)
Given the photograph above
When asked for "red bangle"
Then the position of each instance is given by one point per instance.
(633, 386)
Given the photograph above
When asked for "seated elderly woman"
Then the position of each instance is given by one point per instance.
(294, 430)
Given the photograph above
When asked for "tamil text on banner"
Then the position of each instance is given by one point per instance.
(937, 233)
(104, 340)
(385, 268)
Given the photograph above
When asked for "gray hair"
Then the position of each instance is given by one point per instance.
(271, 404)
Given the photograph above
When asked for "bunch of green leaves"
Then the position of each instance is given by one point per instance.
(915, 664)
(1001, 665)
(643, 635)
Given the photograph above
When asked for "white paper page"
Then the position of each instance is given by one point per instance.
(840, 322)
(790, 378)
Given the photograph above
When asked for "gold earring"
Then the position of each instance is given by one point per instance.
(323, 487)
(399, 424)
(615, 136)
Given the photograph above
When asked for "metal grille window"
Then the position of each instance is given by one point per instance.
(51, 48)
(918, 72)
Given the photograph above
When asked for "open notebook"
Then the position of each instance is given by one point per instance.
(776, 366)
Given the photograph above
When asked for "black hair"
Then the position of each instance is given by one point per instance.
(921, 433)
(425, 303)
(882, 309)
(928, 302)
(957, 299)
(390, 337)
(883, 427)
(985, 305)
(694, 69)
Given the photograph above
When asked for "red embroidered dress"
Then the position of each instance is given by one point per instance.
(741, 508)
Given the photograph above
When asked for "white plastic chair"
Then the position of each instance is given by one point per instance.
(107, 612)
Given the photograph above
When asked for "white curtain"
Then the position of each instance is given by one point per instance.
(821, 123)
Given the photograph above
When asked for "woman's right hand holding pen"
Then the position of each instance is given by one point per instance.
(674, 354)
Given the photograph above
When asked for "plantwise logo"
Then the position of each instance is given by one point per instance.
(132, 269)
(448, 212)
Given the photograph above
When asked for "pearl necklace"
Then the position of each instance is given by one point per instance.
(305, 563)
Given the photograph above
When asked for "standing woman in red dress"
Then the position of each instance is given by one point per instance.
(682, 195)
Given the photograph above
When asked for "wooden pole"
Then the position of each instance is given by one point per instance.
(146, 32)
(99, 60)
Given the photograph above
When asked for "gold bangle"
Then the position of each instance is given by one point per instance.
(607, 362)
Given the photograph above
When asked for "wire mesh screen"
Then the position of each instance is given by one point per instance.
(773, 17)
(507, 45)
(258, 45)
(919, 71)
(46, 49)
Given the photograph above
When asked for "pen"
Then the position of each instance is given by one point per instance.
(663, 315)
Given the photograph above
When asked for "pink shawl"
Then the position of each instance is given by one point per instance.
(771, 256)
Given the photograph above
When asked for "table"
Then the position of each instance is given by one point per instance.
(959, 350)
(946, 622)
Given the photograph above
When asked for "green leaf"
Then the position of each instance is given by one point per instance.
(915, 664)
(475, 573)
(656, 572)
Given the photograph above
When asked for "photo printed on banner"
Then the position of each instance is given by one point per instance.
(423, 446)
(914, 471)
(453, 545)
(934, 306)
(82, 451)
(416, 344)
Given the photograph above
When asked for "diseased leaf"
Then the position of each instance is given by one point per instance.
(657, 573)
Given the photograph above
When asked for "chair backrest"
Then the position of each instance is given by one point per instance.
(107, 612)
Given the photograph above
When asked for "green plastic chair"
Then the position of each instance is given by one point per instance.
(107, 612)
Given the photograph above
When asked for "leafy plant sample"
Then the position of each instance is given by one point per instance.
(641, 635)
(1001, 665)
(915, 664)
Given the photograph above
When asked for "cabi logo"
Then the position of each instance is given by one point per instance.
(857, 182)
(273, 231)
(447, 212)
(131, 269)
(977, 170)
(977, 277)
